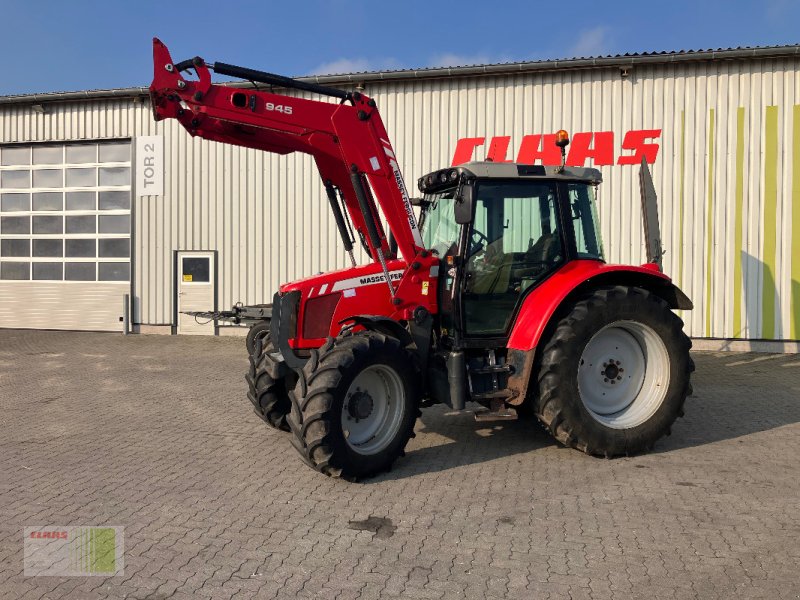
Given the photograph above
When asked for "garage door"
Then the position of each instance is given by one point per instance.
(65, 222)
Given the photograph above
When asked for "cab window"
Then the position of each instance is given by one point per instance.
(583, 207)
(515, 241)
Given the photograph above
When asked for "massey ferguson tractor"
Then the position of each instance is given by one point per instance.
(497, 293)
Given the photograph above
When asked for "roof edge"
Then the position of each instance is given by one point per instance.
(761, 52)
(568, 63)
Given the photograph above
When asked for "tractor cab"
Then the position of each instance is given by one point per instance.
(500, 230)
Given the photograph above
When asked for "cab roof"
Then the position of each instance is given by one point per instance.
(506, 170)
(445, 178)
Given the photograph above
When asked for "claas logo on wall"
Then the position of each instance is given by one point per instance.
(600, 147)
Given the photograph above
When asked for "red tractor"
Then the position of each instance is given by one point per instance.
(498, 293)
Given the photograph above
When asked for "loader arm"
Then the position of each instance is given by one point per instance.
(348, 140)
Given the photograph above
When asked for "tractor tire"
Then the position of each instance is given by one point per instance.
(268, 392)
(257, 331)
(615, 373)
(355, 405)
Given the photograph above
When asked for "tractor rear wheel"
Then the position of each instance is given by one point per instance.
(267, 390)
(355, 405)
(615, 373)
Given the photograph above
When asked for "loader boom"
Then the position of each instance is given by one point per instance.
(348, 140)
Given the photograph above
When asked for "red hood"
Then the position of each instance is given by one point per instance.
(342, 275)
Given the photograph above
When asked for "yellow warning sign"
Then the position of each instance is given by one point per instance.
(425, 288)
(187, 277)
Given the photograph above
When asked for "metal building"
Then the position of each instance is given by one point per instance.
(98, 201)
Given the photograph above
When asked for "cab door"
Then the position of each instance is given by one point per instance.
(515, 241)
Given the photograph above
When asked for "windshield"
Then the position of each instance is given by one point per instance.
(439, 229)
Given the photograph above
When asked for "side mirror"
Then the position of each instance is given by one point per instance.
(463, 203)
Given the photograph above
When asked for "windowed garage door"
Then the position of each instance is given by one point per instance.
(65, 222)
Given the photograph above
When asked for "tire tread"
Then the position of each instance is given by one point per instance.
(313, 416)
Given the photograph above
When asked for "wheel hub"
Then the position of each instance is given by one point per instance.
(360, 405)
(623, 374)
(611, 371)
(373, 409)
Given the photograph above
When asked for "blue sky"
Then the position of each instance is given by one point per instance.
(51, 45)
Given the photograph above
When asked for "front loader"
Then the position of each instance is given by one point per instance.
(497, 294)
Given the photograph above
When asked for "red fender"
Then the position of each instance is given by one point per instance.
(540, 305)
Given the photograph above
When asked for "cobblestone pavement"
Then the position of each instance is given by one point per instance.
(155, 434)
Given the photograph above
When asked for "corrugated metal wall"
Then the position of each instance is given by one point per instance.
(727, 173)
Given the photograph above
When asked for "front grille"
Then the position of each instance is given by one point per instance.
(318, 314)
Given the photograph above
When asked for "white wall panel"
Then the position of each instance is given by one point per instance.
(62, 305)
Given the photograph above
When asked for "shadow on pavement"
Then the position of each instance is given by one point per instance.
(450, 440)
(735, 395)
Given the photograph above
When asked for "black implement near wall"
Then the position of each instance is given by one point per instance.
(239, 314)
(652, 229)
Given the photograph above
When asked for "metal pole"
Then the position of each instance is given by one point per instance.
(339, 218)
(125, 314)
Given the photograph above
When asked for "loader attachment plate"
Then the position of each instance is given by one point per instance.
(652, 228)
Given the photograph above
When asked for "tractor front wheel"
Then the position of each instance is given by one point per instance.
(615, 373)
(355, 405)
(268, 390)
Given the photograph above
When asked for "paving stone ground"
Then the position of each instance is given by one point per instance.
(155, 434)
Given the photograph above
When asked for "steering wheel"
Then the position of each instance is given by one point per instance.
(476, 246)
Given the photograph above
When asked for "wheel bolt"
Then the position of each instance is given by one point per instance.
(619, 378)
(605, 380)
(617, 363)
(612, 381)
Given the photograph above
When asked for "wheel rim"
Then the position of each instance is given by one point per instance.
(623, 374)
(372, 411)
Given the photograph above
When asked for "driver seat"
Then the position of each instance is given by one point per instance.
(545, 250)
(494, 278)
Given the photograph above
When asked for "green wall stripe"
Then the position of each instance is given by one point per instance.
(768, 258)
(795, 232)
(710, 221)
(737, 231)
(770, 223)
(680, 217)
